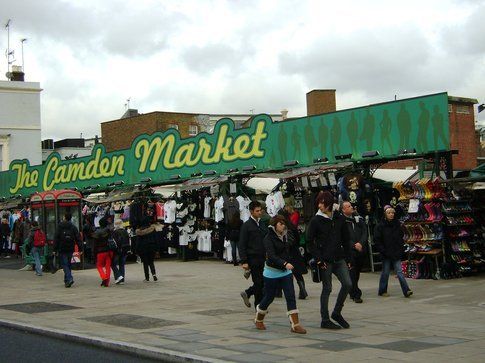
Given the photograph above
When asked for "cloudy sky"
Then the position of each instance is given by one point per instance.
(240, 55)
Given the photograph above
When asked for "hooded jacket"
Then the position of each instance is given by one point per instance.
(388, 239)
(328, 238)
(100, 238)
(67, 235)
(146, 241)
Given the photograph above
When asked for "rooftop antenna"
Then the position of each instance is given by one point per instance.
(127, 104)
(9, 53)
(22, 41)
(252, 111)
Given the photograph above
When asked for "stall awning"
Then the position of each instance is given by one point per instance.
(191, 184)
(303, 171)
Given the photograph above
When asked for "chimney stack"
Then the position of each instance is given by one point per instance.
(284, 114)
(16, 74)
(320, 101)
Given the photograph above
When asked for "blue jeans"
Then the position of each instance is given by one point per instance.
(118, 265)
(271, 286)
(65, 258)
(341, 270)
(36, 255)
(386, 269)
(4, 245)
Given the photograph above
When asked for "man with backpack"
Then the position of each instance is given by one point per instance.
(37, 240)
(66, 237)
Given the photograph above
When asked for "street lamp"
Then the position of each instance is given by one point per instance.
(22, 41)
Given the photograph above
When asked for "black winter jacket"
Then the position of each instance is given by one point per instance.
(4, 230)
(328, 239)
(67, 235)
(251, 240)
(146, 241)
(122, 240)
(100, 238)
(388, 239)
(277, 250)
(357, 233)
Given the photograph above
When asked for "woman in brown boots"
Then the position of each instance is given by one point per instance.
(277, 275)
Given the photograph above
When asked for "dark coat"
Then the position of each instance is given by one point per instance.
(122, 240)
(100, 238)
(388, 239)
(357, 233)
(146, 241)
(67, 235)
(277, 250)
(251, 240)
(4, 230)
(328, 239)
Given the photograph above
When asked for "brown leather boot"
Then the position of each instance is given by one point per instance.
(295, 322)
(258, 321)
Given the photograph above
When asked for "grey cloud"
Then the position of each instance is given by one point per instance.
(211, 57)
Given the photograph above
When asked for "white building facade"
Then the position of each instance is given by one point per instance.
(20, 129)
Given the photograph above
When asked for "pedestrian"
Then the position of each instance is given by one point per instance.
(37, 240)
(66, 237)
(146, 247)
(329, 244)
(252, 254)
(103, 252)
(122, 239)
(4, 237)
(277, 275)
(357, 230)
(233, 231)
(88, 231)
(388, 241)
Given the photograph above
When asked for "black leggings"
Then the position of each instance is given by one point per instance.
(147, 258)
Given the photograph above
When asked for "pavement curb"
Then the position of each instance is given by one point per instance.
(137, 350)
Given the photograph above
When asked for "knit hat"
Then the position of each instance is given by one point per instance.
(386, 207)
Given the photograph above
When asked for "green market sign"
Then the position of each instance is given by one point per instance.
(420, 123)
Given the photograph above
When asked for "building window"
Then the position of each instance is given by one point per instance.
(463, 109)
(450, 108)
(173, 126)
(193, 130)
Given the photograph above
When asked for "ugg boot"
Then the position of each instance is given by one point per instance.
(295, 322)
(301, 285)
(258, 321)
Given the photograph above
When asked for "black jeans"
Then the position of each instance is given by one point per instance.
(234, 252)
(147, 258)
(356, 263)
(273, 285)
(341, 270)
(256, 264)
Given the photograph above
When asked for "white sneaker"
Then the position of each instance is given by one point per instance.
(118, 280)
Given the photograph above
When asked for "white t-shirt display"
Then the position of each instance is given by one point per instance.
(218, 206)
(274, 202)
(244, 207)
(204, 239)
(169, 209)
(207, 210)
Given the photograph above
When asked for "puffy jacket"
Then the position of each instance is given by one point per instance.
(100, 238)
(251, 240)
(328, 239)
(277, 250)
(122, 239)
(388, 239)
(67, 235)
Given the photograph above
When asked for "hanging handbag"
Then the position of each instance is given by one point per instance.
(315, 270)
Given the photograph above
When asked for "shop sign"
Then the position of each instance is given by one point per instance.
(420, 123)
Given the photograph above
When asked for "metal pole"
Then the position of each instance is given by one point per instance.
(7, 26)
(23, 65)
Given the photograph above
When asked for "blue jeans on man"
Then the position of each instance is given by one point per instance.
(340, 269)
(118, 265)
(65, 259)
(386, 270)
(36, 254)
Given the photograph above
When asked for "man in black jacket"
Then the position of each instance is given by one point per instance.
(358, 242)
(329, 244)
(252, 253)
(67, 235)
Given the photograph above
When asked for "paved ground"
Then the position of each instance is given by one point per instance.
(194, 313)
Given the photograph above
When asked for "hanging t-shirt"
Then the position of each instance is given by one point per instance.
(159, 211)
(205, 241)
(207, 209)
(169, 209)
(231, 207)
(274, 203)
(244, 207)
(218, 207)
